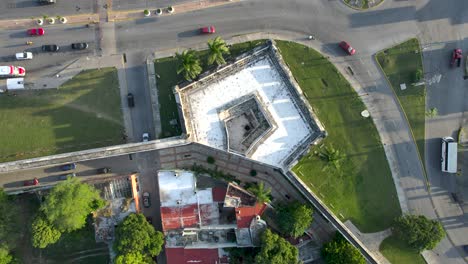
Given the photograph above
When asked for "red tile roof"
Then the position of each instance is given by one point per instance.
(219, 193)
(179, 217)
(245, 214)
(190, 256)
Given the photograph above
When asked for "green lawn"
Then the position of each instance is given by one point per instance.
(166, 68)
(363, 190)
(84, 113)
(400, 64)
(398, 252)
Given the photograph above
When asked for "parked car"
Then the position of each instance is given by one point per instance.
(208, 30)
(50, 48)
(146, 199)
(36, 32)
(465, 247)
(67, 167)
(79, 46)
(24, 56)
(346, 47)
(66, 176)
(46, 2)
(32, 182)
(130, 100)
(146, 137)
(103, 170)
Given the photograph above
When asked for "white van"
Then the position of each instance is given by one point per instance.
(449, 155)
(15, 84)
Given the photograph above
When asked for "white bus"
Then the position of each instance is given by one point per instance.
(449, 155)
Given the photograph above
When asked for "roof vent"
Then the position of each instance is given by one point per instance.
(179, 201)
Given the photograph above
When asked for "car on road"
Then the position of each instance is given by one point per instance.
(208, 30)
(47, 2)
(79, 46)
(50, 48)
(146, 137)
(346, 47)
(67, 167)
(66, 176)
(130, 100)
(24, 56)
(146, 199)
(36, 32)
(457, 55)
(32, 182)
(103, 170)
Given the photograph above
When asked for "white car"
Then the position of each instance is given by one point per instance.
(145, 137)
(24, 56)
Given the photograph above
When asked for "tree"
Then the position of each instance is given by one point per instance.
(242, 255)
(418, 231)
(333, 157)
(43, 234)
(294, 218)
(133, 258)
(262, 194)
(135, 234)
(217, 48)
(7, 218)
(189, 65)
(340, 251)
(5, 257)
(69, 203)
(276, 250)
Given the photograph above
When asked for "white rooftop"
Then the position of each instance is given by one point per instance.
(263, 78)
(177, 188)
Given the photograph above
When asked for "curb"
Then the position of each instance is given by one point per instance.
(154, 96)
(428, 185)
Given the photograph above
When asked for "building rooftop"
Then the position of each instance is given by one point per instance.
(192, 256)
(178, 188)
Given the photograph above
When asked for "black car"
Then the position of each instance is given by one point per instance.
(47, 2)
(79, 46)
(104, 170)
(50, 48)
(130, 100)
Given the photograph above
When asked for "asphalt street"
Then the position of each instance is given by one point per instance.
(31, 8)
(439, 25)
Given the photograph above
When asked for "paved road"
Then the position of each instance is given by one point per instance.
(441, 25)
(30, 8)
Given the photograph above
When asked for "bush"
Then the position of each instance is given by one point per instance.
(417, 75)
(253, 173)
(146, 12)
(210, 160)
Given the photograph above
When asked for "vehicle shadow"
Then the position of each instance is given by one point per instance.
(188, 33)
(19, 35)
(146, 20)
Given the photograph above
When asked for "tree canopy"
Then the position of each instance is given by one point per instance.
(8, 218)
(262, 194)
(69, 203)
(276, 250)
(5, 257)
(217, 48)
(294, 218)
(133, 258)
(189, 64)
(418, 231)
(43, 234)
(340, 251)
(135, 235)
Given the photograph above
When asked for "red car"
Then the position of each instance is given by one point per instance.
(457, 55)
(346, 47)
(208, 30)
(33, 182)
(36, 31)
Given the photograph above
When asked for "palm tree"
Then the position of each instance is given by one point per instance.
(262, 194)
(189, 64)
(217, 48)
(333, 157)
